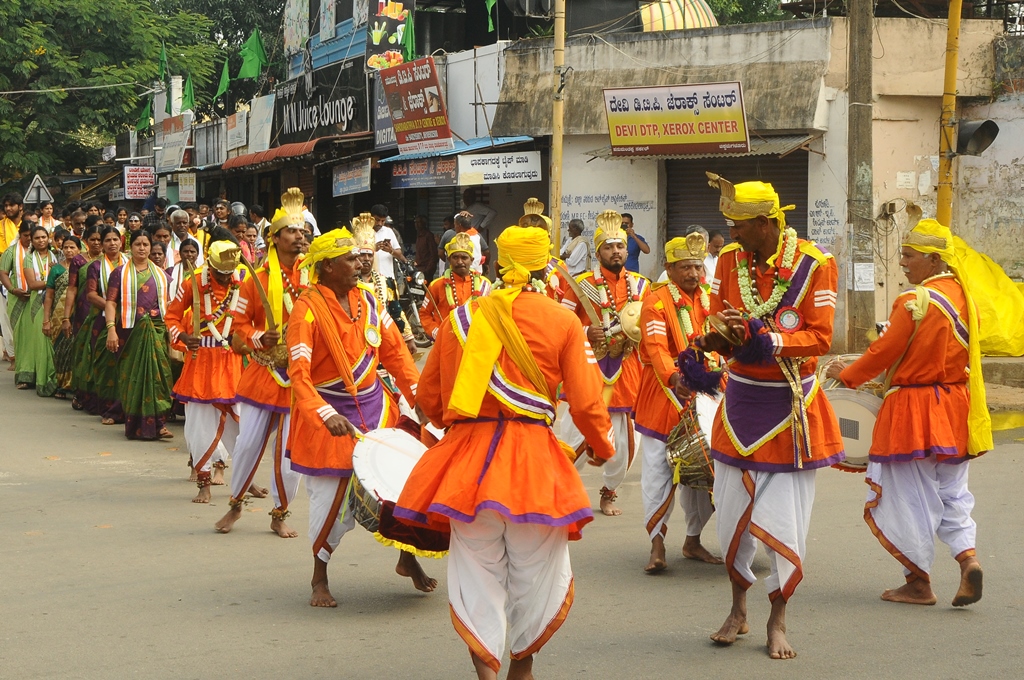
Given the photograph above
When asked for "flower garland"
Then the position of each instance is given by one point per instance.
(607, 303)
(226, 307)
(380, 290)
(451, 291)
(293, 292)
(784, 275)
(683, 309)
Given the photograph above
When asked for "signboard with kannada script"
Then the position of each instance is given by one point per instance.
(707, 118)
(417, 107)
(426, 172)
(350, 178)
(138, 181)
(383, 130)
(499, 168)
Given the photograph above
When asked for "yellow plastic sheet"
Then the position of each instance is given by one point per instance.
(1000, 303)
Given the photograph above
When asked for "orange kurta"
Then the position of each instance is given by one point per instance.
(319, 390)
(657, 409)
(508, 459)
(262, 386)
(752, 429)
(925, 411)
(432, 315)
(626, 381)
(211, 373)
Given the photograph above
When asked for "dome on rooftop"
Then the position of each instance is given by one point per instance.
(671, 15)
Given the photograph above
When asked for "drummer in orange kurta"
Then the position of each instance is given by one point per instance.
(458, 286)
(499, 479)
(933, 420)
(337, 334)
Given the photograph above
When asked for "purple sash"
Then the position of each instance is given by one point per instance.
(610, 366)
(754, 412)
(798, 284)
(953, 313)
(365, 410)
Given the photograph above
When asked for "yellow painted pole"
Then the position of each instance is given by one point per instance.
(557, 120)
(948, 123)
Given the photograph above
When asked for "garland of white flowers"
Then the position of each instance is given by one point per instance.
(782, 279)
(209, 315)
(476, 288)
(293, 294)
(683, 311)
(606, 305)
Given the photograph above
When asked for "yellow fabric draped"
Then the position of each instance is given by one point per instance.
(1000, 303)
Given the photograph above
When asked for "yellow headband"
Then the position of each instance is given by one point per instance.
(609, 228)
(224, 256)
(690, 247)
(328, 246)
(290, 212)
(522, 250)
(931, 237)
(748, 200)
(461, 243)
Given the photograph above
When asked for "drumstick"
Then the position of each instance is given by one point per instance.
(360, 436)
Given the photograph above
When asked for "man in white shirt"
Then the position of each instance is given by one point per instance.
(464, 223)
(715, 244)
(258, 216)
(576, 252)
(389, 246)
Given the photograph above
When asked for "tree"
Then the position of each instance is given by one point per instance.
(108, 50)
(747, 11)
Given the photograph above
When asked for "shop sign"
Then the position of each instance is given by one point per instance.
(351, 178)
(417, 107)
(329, 101)
(116, 194)
(383, 130)
(186, 187)
(385, 33)
(705, 118)
(237, 125)
(425, 172)
(172, 140)
(138, 182)
(499, 168)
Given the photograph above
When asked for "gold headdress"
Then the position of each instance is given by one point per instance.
(362, 233)
(460, 243)
(609, 228)
(533, 215)
(690, 247)
(290, 212)
(224, 256)
(748, 200)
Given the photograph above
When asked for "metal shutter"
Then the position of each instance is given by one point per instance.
(692, 201)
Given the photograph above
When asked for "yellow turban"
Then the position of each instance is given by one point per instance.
(522, 250)
(690, 247)
(224, 256)
(748, 200)
(931, 237)
(460, 243)
(327, 246)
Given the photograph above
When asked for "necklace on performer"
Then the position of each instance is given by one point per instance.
(452, 291)
(783, 277)
(226, 307)
(683, 310)
(293, 292)
(379, 287)
(607, 301)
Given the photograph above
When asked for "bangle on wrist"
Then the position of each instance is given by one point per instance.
(110, 324)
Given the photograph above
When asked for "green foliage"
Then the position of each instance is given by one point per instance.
(747, 11)
(48, 44)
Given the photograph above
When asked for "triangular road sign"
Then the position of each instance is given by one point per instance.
(37, 192)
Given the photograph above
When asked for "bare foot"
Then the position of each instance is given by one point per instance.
(225, 523)
(281, 529)
(917, 591)
(608, 497)
(657, 563)
(693, 550)
(736, 623)
(218, 476)
(166, 434)
(778, 646)
(258, 491)
(321, 596)
(409, 566)
(970, 583)
(105, 421)
(203, 496)
(521, 669)
(192, 476)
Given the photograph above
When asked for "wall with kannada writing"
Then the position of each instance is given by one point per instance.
(590, 186)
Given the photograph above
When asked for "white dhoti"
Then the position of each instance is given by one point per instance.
(5, 325)
(210, 433)
(614, 471)
(773, 507)
(911, 502)
(326, 495)
(507, 580)
(256, 427)
(659, 492)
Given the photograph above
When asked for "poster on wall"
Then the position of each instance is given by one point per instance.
(706, 118)
(331, 102)
(238, 124)
(187, 187)
(499, 168)
(386, 33)
(424, 173)
(327, 20)
(172, 141)
(296, 25)
(261, 119)
(383, 130)
(138, 181)
(350, 178)
(417, 107)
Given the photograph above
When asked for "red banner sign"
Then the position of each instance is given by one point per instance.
(417, 107)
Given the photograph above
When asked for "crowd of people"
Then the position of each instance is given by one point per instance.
(258, 330)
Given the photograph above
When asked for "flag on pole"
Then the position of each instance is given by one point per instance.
(146, 114)
(165, 78)
(490, 14)
(409, 40)
(162, 76)
(254, 57)
(188, 96)
(225, 81)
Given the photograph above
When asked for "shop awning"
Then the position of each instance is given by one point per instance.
(477, 144)
(780, 146)
(78, 195)
(293, 150)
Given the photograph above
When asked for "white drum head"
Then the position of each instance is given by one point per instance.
(384, 460)
(406, 410)
(856, 412)
(707, 407)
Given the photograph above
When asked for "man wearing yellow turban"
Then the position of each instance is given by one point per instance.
(209, 379)
(459, 285)
(499, 480)
(933, 420)
(617, 293)
(775, 428)
(338, 334)
(264, 391)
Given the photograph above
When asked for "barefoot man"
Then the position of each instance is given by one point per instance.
(264, 392)
(672, 317)
(209, 379)
(933, 419)
(617, 358)
(775, 428)
(337, 334)
(499, 479)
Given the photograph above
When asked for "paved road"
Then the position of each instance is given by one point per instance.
(108, 571)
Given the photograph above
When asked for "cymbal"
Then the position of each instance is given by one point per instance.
(723, 329)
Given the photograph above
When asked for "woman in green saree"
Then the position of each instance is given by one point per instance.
(82, 313)
(33, 366)
(103, 378)
(56, 325)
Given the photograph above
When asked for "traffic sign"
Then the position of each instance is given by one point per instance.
(37, 192)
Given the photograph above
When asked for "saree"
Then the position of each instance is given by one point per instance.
(62, 349)
(81, 327)
(33, 364)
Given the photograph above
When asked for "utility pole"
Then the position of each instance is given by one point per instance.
(860, 304)
(557, 122)
(948, 123)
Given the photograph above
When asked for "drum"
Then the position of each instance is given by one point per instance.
(381, 467)
(856, 410)
(688, 449)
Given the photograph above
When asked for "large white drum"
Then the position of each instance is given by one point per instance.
(382, 462)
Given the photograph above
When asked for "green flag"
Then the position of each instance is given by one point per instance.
(144, 117)
(225, 80)
(188, 96)
(162, 76)
(490, 11)
(165, 78)
(254, 57)
(409, 40)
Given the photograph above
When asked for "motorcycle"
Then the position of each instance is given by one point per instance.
(412, 290)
